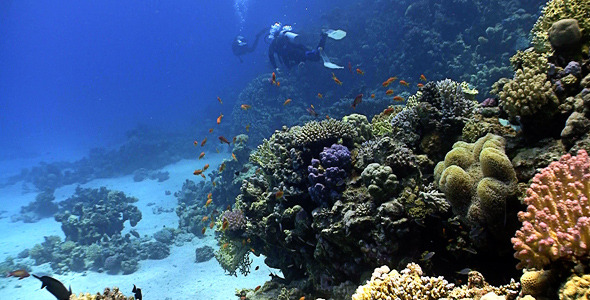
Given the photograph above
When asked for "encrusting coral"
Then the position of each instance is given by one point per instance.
(108, 294)
(556, 224)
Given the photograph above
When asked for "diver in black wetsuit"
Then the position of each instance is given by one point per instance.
(240, 45)
(284, 44)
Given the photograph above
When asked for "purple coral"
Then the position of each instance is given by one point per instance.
(327, 175)
(235, 219)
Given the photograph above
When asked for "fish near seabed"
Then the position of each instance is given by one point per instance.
(20, 274)
(55, 287)
(137, 292)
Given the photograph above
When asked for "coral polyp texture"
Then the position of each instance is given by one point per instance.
(477, 180)
(556, 10)
(556, 224)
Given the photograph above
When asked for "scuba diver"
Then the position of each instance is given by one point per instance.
(285, 45)
(240, 45)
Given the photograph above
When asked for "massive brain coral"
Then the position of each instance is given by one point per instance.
(477, 179)
(556, 224)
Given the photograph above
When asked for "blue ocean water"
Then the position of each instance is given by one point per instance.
(78, 75)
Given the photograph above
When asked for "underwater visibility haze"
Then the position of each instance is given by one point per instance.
(248, 149)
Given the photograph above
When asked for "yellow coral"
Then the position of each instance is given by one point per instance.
(528, 93)
(575, 288)
(534, 283)
(556, 10)
(83, 296)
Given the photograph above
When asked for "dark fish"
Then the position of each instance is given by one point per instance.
(357, 100)
(137, 292)
(222, 139)
(464, 271)
(312, 112)
(427, 256)
(237, 173)
(55, 287)
(257, 267)
(18, 273)
(134, 233)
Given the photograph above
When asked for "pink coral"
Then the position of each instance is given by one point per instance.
(557, 221)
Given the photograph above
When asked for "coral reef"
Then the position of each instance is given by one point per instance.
(555, 224)
(479, 181)
(42, 207)
(107, 294)
(328, 174)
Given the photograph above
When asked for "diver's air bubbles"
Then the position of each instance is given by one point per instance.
(241, 7)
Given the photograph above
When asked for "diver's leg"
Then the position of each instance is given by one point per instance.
(323, 39)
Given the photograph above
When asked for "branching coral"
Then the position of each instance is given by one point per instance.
(322, 132)
(556, 224)
(108, 294)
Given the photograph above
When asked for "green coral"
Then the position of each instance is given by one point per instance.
(554, 11)
(327, 131)
(381, 123)
(529, 92)
(379, 180)
(233, 257)
(362, 126)
(477, 179)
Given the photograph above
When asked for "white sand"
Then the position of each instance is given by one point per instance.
(175, 277)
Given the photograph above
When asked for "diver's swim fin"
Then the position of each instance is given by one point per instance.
(336, 34)
(327, 62)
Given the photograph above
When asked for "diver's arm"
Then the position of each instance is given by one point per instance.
(258, 35)
(271, 55)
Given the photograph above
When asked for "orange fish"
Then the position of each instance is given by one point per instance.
(403, 82)
(311, 105)
(360, 72)
(221, 167)
(320, 95)
(222, 139)
(389, 92)
(273, 79)
(219, 99)
(195, 143)
(201, 155)
(233, 141)
(287, 102)
(302, 298)
(214, 183)
(203, 142)
(20, 273)
(279, 194)
(389, 80)
(234, 156)
(388, 111)
(312, 111)
(278, 83)
(211, 225)
(203, 230)
(357, 100)
(209, 195)
(422, 77)
(219, 118)
(398, 98)
(372, 95)
(248, 128)
(338, 82)
(257, 288)
(245, 106)
(208, 202)
(210, 130)
(198, 172)
(224, 245)
(206, 167)
(204, 219)
(203, 175)
(224, 225)
(419, 85)
(327, 117)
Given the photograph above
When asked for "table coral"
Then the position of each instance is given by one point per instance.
(556, 224)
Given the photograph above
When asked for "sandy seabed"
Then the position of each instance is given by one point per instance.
(175, 277)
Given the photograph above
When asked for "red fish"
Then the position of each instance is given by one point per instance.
(403, 82)
(422, 77)
(219, 99)
(287, 102)
(245, 106)
(357, 100)
(350, 67)
(206, 167)
(389, 80)
(222, 139)
(210, 130)
(360, 72)
(203, 142)
(201, 155)
(398, 98)
(273, 79)
(389, 92)
(21, 273)
(320, 95)
(419, 85)
(219, 118)
(338, 82)
(372, 95)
